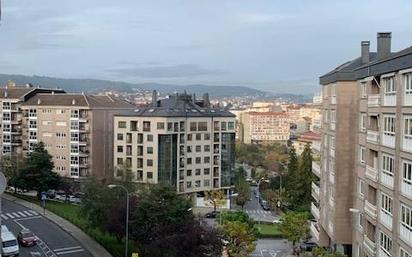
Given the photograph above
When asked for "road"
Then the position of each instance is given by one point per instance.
(255, 211)
(53, 242)
(272, 248)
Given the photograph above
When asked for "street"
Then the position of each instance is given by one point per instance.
(272, 248)
(53, 241)
(256, 212)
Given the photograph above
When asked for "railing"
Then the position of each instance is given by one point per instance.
(372, 136)
(315, 191)
(316, 145)
(316, 168)
(371, 173)
(315, 211)
(314, 231)
(406, 188)
(374, 100)
(407, 143)
(389, 100)
(388, 140)
(386, 179)
(369, 244)
(405, 233)
(407, 99)
(386, 219)
(382, 253)
(370, 209)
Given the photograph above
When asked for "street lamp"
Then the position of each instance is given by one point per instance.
(127, 214)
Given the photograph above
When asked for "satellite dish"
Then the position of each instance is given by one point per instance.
(3, 183)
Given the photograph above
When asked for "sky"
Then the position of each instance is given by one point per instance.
(279, 46)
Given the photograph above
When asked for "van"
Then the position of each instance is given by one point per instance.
(10, 246)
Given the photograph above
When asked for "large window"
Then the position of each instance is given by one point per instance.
(408, 89)
(389, 125)
(362, 122)
(386, 204)
(361, 188)
(406, 217)
(362, 155)
(404, 253)
(407, 121)
(388, 164)
(407, 172)
(385, 243)
(389, 86)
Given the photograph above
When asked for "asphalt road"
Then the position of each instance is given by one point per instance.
(53, 242)
(272, 248)
(256, 212)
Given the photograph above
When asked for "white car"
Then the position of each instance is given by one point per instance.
(10, 246)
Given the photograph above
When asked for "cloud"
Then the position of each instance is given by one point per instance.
(175, 71)
(260, 18)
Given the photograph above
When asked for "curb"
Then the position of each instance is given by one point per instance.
(85, 240)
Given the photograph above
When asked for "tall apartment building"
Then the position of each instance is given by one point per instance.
(76, 129)
(366, 155)
(179, 141)
(264, 127)
(12, 97)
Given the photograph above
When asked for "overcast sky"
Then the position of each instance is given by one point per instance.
(261, 44)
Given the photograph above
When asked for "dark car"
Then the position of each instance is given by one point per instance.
(307, 246)
(27, 238)
(212, 215)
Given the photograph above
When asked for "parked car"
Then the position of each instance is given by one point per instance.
(212, 215)
(265, 205)
(74, 199)
(307, 246)
(10, 246)
(27, 238)
(60, 196)
(51, 193)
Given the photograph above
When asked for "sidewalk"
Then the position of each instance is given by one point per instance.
(88, 243)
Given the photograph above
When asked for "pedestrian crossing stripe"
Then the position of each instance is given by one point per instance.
(18, 214)
(258, 212)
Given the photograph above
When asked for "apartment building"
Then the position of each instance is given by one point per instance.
(76, 129)
(12, 96)
(365, 172)
(179, 141)
(264, 127)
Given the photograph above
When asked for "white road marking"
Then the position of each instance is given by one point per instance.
(4, 217)
(66, 248)
(15, 214)
(35, 213)
(35, 254)
(28, 213)
(22, 214)
(11, 216)
(72, 251)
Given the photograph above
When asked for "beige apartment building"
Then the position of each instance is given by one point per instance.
(365, 171)
(264, 127)
(76, 129)
(12, 96)
(179, 141)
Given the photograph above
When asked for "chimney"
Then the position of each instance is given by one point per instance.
(384, 44)
(365, 51)
(38, 101)
(154, 98)
(206, 101)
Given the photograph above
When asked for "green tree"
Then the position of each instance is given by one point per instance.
(322, 252)
(37, 171)
(243, 190)
(272, 197)
(231, 216)
(306, 176)
(239, 237)
(294, 226)
(216, 197)
(10, 165)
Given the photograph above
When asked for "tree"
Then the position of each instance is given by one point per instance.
(306, 176)
(37, 171)
(294, 226)
(217, 197)
(10, 165)
(231, 216)
(240, 238)
(322, 252)
(272, 197)
(243, 191)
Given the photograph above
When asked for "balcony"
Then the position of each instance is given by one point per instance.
(370, 209)
(317, 124)
(407, 99)
(316, 145)
(389, 100)
(372, 136)
(388, 140)
(370, 246)
(314, 231)
(407, 143)
(386, 219)
(316, 168)
(315, 191)
(331, 177)
(405, 233)
(374, 100)
(383, 253)
(406, 188)
(317, 99)
(371, 173)
(332, 152)
(332, 125)
(315, 211)
(386, 179)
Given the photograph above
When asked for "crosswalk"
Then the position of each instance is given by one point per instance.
(258, 212)
(18, 214)
(68, 250)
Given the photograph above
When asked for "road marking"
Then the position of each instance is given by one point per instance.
(8, 214)
(72, 251)
(66, 248)
(35, 254)
(35, 213)
(28, 213)
(15, 214)
(22, 214)
(4, 217)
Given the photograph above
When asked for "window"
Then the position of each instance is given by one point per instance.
(361, 188)
(120, 149)
(202, 126)
(408, 88)
(386, 204)
(198, 160)
(149, 138)
(188, 184)
(193, 126)
(61, 123)
(149, 162)
(389, 125)
(198, 136)
(149, 175)
(362, 155)
(360, 221)
(206, 148)
(230, 125)
(389, 86)
(407, 127)
(333, 116)
(223, 125)
(150, 150)
(404, 253)
(206, 183)
(407, 172)
(170, 126)
(198, 148)
(121, 124)
(161, 125)
(198, 172)
(189, 160)
(189, 137)
(385, 243)
(189, 149)
(388, 164)
(206, 171)
(197, 183)
(146, 126)
(189, 173)
(119, 161)
(206, 159)
(207, 136)
(406, 217)
(120, 136)
(362, 120)
(364, 92)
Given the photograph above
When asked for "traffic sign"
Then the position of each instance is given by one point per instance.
(3, 183)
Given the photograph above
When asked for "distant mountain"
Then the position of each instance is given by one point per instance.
(96, 85)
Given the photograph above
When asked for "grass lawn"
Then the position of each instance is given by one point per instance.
(71, 213)
(268, 230)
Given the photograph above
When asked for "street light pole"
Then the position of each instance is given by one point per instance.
(127, 215)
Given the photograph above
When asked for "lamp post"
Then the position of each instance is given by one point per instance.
(127, 215)
(258, 184)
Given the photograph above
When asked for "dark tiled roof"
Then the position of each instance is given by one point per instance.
(23, 92)
(83, 100)
(180, 106)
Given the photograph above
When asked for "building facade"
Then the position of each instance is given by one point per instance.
(179, 141)
(366, 183)
(76, 130)
(264, 127)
